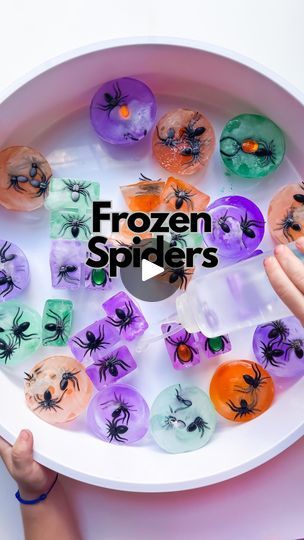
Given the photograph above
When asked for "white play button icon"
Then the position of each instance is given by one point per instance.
(149, 270)
(139, 280)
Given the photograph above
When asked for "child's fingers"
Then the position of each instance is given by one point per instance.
(22, 451)
(284, 288)
(4, 447)
(292, 266)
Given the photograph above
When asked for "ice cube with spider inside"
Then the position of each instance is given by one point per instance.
(57, 322)
(124, 315)
(66, 258)
(92, 342)
(14, 271)
(118, 414)
(111, 367)
(183, 347)
(71, 194)
(71, 224)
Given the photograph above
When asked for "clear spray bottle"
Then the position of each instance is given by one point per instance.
(229, 299)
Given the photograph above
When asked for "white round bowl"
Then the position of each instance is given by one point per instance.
(49, 109)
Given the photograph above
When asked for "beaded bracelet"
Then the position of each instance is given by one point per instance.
(41, 497)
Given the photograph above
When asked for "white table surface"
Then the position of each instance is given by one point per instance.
(266, 503)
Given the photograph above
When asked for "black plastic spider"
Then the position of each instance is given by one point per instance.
(78, 189)
(75, 225)
(222, 222)
(299, 197)
(48, 403)
(8, 281)
(69, 376)
(243, 409)
(110, 364)
(185, 402)
(18, 330)
(171, 421)
(266, 153)
(121, 408)
(64, 273)
(270, 354)
(199, 424)
(287, 223)
(260, 149)
(125, 317)
(93, 343)
(193, 151)
(169, 140)
(278, 330)
(183, 350)
(116, 430)
(112, 101)
(181, 196)
(295, 345)
(58, 327)
(178, 238)
(43, 187)
(176, 274)
(247, 224)
(36, 170)
(4, 256)
(15, 180)
(7, 348)
(253, 382)
(190, 132)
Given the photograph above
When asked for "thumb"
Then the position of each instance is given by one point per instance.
(22, 451)
(4, 448)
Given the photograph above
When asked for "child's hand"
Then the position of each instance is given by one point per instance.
(32, 478)
(286, 274)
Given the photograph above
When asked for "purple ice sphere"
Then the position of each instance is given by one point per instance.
(214, 346)
(93, 341)
(182, 347)
(14, 271)
(279, 347)
(118, 414)
(66, 260)
(113, 366)
(124, 315)
(123, 111)
(238, 227)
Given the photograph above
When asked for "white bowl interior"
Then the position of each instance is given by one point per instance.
(51, 112)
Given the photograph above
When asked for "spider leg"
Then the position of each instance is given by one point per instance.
(169, 197)
(64, 228)
(232, 406)
(51, 339)
(53, 316)
(80, 342)
(75, 382)
(70, 279)
(17, 317)
(242, 389)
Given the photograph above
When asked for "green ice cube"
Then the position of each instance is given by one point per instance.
(67, 193)
(70, 224)
(57, 322)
